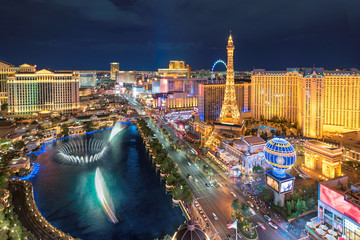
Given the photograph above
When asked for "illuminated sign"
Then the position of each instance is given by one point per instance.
(286, 186)
(272, 183)
(351, 226)
(337, 201)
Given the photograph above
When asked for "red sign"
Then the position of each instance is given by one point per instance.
(338, 202)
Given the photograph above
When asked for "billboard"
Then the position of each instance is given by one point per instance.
(338, 202)
(273, 183)
(286, 186)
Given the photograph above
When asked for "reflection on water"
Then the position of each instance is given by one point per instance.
(66, 194)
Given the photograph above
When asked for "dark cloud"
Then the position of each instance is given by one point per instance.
(142, 34)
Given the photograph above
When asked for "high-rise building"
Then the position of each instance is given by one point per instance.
(176, 69)
(126, 77)
(87, 79)
(5, 70)
(114, 68)
(211, 97)
(317, 99)
(44, 90)
(275, 93)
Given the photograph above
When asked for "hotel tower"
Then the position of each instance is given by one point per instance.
(44, 90)
(316, 99)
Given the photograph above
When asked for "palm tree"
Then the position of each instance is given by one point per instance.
(245, 210)
(235, 205)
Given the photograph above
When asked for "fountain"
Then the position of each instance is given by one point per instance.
(82, 151)
(104, 197)
(116, 129)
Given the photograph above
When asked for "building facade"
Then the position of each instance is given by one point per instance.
(114, 68)
(176, 69)
(5, 70)
(316, 99)
(339, 206)
(275, 93)
(44, 90)
(249, 150)
(87, 79)
(211, 97)
(324, 157)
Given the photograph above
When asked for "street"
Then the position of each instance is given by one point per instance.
(21, 209)
(217, 200)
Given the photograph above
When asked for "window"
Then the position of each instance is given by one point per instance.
(327, 212)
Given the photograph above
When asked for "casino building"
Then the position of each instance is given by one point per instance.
(5, 70)
(42, 91)
(339, 206)
(318, 100)
(281, 156)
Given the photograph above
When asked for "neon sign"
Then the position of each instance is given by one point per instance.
(337, 201)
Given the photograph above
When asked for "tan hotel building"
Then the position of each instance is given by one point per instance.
(5, 70)
(44, 90)
(318, 100)
(211, 97)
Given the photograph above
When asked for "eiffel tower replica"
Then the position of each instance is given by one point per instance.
(229, 120)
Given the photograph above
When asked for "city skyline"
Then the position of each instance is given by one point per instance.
(145, 36)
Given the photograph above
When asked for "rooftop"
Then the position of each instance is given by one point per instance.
(254, 140)
(323, 145)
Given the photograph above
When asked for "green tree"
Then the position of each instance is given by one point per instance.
(288, 207)
(89, 126)
(310, 203)
(298, 206)
(39, 135)
(245, 210)
(268, 195)
(4, 107)
(303, 207)
(19, 144)
(235, 205)
(65, 132)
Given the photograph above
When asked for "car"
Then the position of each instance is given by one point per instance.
(267, 218)
(207, 225)
(273, 225)
(215, 217)
(211, 184)
(232, 193)
(259, 179)
(261, 225)
(252, 180)
(246, 183)
(257, 207)
(219, 184)
(189, 163)
(206, 184)
(250, 204)
(252, 211)
(196, 180)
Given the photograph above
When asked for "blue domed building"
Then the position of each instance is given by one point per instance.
(280, 155)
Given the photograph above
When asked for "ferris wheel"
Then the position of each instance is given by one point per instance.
(212, 69)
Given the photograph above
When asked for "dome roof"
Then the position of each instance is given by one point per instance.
(280, 154)
(190, 231)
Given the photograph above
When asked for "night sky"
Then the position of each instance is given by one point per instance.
(146, 34)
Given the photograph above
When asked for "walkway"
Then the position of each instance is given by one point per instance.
(17, 190)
